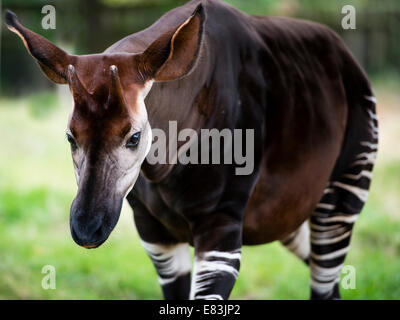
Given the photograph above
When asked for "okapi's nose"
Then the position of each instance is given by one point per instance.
(87, 232)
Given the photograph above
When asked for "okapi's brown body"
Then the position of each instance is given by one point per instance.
(282, 77)
(312, 110)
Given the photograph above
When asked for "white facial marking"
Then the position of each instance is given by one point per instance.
(130, 161)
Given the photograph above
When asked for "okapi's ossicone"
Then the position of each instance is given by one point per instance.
(207, 65)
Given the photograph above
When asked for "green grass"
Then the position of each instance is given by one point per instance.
(37, 185)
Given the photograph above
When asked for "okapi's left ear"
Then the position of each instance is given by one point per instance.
(52, 60)
(174, 54)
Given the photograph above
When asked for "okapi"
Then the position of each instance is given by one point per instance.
(207, 65)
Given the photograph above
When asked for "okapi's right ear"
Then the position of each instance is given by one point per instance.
(52, 60)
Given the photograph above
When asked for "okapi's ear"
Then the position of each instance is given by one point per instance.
(52, 60)
(174, 54)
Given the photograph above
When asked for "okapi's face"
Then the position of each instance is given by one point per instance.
(108, 128)
(110, 138)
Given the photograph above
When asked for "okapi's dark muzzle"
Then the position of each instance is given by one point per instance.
(91, 228)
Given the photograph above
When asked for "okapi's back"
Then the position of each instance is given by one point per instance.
(311, 60)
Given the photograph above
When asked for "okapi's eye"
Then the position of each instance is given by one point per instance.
(72, 142)
(133, 141)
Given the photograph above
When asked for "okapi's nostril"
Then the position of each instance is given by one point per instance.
(98, 233)
(87, 232)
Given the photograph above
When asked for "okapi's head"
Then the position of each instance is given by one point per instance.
(108, 128)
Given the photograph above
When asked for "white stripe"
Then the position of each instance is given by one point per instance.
(216, 266)
(370, 158)
(331, 240)
(221, 254)
(329, 256)
(374, 128)
(176, 260)
(300, 245)
(362, 162)
(367, 155)
(210, 297)
(369, 144)
(371, 98)
(319, 214)
(328, 190)
(331, 233)
(323, 288)
(364, 173)
(323, 228)
(372, 115)
(328, 206)
(362, 194)
(322, 280)
(337, 218)
(323, 273)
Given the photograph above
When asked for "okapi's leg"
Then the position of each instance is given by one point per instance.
(331, 228)
(299, 242)
(332, 222)
(170, 257)
(330, 242)
(173, 264)
(217, 260)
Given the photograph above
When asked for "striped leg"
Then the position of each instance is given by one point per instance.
(217, 242)
(173, 264)
(299, 242)
(330, 240)
(331, 228)
(170, 256)
(332, 222)
(214, 274)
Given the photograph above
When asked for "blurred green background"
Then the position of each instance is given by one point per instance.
(37, 182)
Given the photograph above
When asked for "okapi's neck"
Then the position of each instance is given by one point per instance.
(182, 102)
